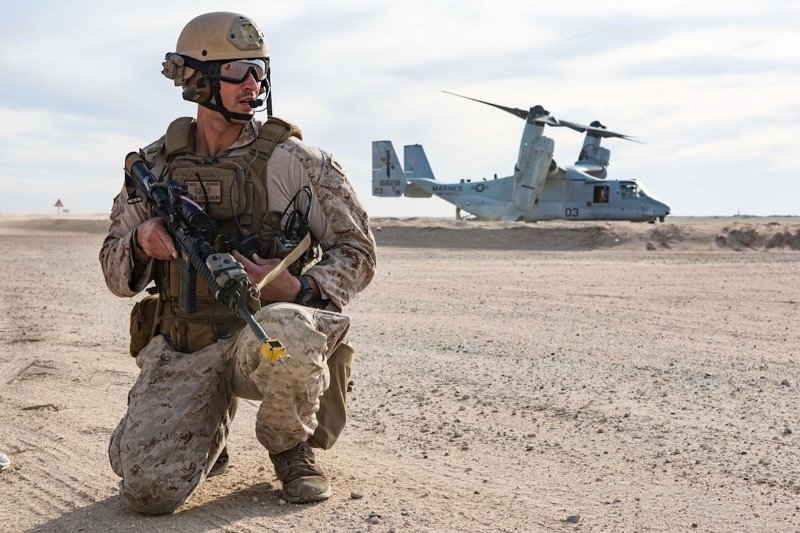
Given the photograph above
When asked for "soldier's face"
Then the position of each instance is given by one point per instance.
(236, 97)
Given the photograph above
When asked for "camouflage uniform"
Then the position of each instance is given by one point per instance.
(178, 409)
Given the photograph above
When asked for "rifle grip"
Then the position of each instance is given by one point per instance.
(188, 285)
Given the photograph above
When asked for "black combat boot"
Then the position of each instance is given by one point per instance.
(303, 479)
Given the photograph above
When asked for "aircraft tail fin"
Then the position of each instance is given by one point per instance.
(415, 163)
(388, 178)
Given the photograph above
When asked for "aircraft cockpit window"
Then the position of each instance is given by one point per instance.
(601, 194)
(629, 190)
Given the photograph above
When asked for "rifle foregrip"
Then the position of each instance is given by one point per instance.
(197, 259)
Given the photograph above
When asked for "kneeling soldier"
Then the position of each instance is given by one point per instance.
(262, 189)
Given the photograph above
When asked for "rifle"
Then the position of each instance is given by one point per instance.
(190, 227)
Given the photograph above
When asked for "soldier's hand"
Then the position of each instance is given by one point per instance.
(284, 288)
(155, 240)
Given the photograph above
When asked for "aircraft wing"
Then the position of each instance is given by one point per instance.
(583, 167)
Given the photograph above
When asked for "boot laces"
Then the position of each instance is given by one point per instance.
(295, 463)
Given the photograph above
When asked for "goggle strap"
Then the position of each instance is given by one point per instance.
(202, 66)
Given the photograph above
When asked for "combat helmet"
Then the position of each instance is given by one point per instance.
(214, 47)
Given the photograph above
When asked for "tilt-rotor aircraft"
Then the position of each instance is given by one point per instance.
(538, 190)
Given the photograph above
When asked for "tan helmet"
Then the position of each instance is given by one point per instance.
(204, 42)
(220, 36)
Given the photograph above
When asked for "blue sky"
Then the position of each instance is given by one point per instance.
(711, 87)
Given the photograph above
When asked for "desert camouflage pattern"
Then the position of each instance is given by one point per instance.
(174, 429)
(338, 221)
(344, 270)
(178, 421)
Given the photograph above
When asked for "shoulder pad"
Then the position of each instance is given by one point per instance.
(177, 137)
(150, 152)
(275, 124)
(272, 133)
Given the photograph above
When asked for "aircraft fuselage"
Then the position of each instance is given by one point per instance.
(562, 199)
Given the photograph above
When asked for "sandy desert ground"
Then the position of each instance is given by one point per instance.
(509, 377)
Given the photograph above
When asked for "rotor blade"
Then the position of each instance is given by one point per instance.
(521, 113)
(547, 119)
(597, 132)
(553, 121)
(574, 125)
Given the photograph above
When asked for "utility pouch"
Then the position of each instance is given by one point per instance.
(190, 333)
(143, 320)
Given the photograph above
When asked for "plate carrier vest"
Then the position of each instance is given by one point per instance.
(229, 188)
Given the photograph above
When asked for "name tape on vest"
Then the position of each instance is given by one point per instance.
(212, 188)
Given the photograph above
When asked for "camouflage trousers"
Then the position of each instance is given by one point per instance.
(178, 415)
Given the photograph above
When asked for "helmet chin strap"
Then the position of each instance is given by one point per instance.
(219, 107)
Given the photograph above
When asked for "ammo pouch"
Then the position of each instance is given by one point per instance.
(188, 333)
(192, 332)
(143, 320)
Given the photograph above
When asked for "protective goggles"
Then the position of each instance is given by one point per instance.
(237, 71)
